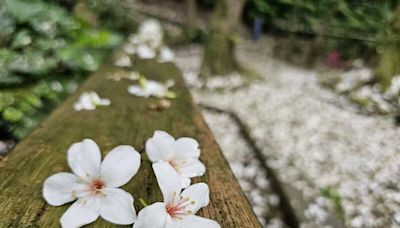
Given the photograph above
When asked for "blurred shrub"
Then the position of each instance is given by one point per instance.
(344, 20)
(44, 53)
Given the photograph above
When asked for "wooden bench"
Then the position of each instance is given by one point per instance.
(127, 121)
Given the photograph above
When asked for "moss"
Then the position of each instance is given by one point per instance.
(389, 51)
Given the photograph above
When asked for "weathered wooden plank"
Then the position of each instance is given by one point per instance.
(127, 121)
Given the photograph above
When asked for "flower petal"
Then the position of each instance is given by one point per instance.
(84, 159)
(168, 180)
(117, 206)
(185, 181)
(145, 52)
(159, 147)
(137, 91)
(199, 195)
(82, 212)
(186, 148)
(192, 168)
(86, 102)
(119, 166)
(154, 216)
(194, 221)
(58, 188)
(156, 89)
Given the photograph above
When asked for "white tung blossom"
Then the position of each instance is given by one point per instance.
(144, 51)
(182, 154)
(94, 185)
(166, 55)
(147, 88)
(89, 101)
(179, 208)
(123, 61)
(151, 33)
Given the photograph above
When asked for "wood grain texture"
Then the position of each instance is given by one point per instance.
(127, 121)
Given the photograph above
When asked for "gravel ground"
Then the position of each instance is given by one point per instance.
(342, 162)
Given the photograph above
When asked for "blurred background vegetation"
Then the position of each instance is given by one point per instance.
(45, 52)
(48, 47)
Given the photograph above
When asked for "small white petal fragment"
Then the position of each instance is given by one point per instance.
(145, 52)
(166, 55)
(150, 88)
(117, 207)
(123, 61)
(89, 101)
(151, 33)
(119, 166)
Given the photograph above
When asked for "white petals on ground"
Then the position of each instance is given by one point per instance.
(94, 185)
(147, 88)
(178, 209)
(145, 52)
(89, 101)
(123, 61)
(151, 33)
(166, 55)
(182, 154)
(148, 43)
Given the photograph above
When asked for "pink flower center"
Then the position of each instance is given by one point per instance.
(96, 186)
(179, 209)
(174, 164)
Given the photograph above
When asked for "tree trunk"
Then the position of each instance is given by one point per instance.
(191, 13)
(219, 57)
(389, 51)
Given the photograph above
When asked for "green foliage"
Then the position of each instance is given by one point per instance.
(44, 52)
(340, 19)
(334, 198)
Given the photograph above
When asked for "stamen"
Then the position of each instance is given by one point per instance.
(179, 209)
(96, 186)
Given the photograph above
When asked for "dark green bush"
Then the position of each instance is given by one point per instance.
(44, 53)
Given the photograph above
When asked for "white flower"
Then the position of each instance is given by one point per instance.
(166, 55)
(145, 52)
(89, 101)
(129, 48)
(182, 154)
(150, 32)
(147, 88)
(179, 208)
(94, 184)
(123, 61)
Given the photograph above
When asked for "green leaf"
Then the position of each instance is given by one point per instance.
(23, 10)
(7, 25)
(21, 39)
(7, 78)
(12, 115)
(32, 63)
(142, 82)
(170, 95)
(98, 39)
(79, 58)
